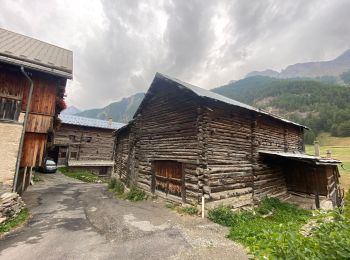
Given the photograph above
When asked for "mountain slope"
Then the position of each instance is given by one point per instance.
(321, 69)
(321, 106)
(71, 110)
(120, 111)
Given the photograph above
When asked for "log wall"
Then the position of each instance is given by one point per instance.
(218, 145)
(229, 165)
(88, 143)
(273, 135)
(167, 130)
(235, 172)
(122, 145)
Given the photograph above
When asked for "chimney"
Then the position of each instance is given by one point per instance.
(110, 121)
(329, 154)
(317, 148)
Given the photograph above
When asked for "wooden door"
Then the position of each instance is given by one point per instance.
(168, 177)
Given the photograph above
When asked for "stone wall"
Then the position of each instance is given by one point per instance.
(10, 135)
(10, 204)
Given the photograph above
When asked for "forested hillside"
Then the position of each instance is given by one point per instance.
(120, 111)
(321, 106)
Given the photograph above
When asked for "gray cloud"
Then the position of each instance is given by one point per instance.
(119, 45)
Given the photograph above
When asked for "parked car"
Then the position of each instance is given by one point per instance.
(49, 166)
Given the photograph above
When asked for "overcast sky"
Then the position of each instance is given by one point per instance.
(119, 45)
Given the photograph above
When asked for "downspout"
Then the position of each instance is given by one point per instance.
(21, 142)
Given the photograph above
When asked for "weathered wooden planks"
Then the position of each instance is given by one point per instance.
(217, 144)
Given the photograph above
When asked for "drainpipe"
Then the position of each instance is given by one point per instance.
(19, 154)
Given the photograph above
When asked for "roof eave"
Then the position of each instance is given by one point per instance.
(36, 67)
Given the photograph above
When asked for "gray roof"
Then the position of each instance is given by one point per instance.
(31, 53)
(302, 157)
(208, 94)
(90, 122)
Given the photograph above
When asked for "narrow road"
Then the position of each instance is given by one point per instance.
(75, 220)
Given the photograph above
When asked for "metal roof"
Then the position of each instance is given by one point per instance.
(208, 94)
(31, 53)
(302, 157)
(90, 122)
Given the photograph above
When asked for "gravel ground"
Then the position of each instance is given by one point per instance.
(75, 220)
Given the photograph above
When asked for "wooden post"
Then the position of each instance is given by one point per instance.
(24, 179)
(317, 148)
(31, 182)
(183, 186)
(203, 201)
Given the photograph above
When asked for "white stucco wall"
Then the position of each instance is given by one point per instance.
(10, 135)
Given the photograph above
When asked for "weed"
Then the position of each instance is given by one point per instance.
(272, 231)
(116, 186)
(135, 195)
(84, 176)
(36, 178)
(112, 183)
(189, 210)
(170, 206)
(14, 222)
(347, 205)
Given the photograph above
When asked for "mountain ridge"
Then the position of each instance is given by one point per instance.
(334, 67)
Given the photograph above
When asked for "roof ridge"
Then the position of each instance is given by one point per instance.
(212, 95)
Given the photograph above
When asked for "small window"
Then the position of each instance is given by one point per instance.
(63, 155)
(88, 139)
(9, 109)
(72, 138)
(73, 155)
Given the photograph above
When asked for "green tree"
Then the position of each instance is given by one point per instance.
(309, 137)
(344, 129)
(345, 76)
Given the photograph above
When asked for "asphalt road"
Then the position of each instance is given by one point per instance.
(75, 220)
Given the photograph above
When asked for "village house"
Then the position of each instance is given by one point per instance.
(85, 143)
(185, 142)
(33, 76)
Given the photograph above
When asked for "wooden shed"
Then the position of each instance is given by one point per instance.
(185, 142)
(33, 76)
(85, 143)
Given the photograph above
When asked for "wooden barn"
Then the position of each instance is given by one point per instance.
(85, 143)
(185, 142)
(33, 76)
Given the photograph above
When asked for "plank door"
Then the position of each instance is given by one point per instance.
(168, 177)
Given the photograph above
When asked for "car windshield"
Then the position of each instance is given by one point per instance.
(49, 162)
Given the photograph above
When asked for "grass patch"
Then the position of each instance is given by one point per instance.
(135, 194)
(84, 176)
(118, 188)
(36, 178)
(272, 231)
(347, 205)
(188, 210)
(170, 206)
(14, 222)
